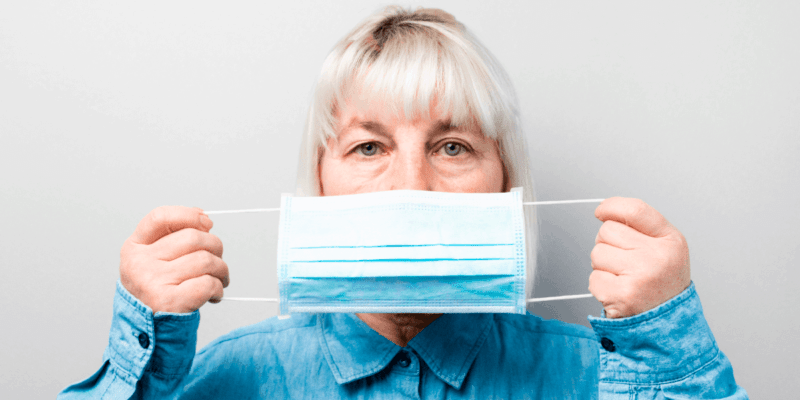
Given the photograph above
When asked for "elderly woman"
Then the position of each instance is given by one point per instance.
(409, 100)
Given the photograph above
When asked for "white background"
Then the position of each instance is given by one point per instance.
(107, 111)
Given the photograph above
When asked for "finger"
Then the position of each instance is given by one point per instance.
(611, 259)
(606, 288)
(635, 213)
(197, 291)
(186, 241)
(601, 286)
(197, 264)
(620, 235)
(164, 220)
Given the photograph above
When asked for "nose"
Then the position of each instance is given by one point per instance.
(411, 171)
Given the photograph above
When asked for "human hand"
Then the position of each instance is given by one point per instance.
(172, 263)
(639, 259)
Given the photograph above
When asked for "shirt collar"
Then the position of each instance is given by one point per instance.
(353, 350)
(448, 346)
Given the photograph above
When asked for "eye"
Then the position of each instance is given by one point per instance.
(453, 149)
(367, 149)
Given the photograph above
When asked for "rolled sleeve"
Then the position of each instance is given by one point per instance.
(176, 339)
(132, 338)
(662, 344)
(667, 349)
(140, 344)
(163, 343)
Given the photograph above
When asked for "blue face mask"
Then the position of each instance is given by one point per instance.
(402, 251)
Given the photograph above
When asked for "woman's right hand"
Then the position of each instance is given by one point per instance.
(172, 263)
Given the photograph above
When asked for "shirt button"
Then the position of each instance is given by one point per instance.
(607, 344)
(403, 360)
(144, 341)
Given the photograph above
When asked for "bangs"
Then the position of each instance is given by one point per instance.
(408, 72)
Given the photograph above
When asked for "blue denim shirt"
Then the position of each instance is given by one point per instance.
(667, 352)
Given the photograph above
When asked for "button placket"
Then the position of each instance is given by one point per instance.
(406, 375)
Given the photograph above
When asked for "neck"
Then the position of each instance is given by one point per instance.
(399, 328)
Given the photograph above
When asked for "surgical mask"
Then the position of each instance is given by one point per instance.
(403, 251)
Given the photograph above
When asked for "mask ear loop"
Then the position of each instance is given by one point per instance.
(568, 297)
(529, 203)
(535, 300)
(252, 210)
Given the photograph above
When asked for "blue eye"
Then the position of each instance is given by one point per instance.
(453, 149)
(368, 149)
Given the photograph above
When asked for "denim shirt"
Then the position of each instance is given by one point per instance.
(666, 352)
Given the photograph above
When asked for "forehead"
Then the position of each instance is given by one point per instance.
(369, 112)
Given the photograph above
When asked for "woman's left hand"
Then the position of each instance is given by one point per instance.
(639, 259)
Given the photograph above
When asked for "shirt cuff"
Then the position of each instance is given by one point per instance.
(663, 344)
(139, 341)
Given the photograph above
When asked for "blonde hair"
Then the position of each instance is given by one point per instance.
(407, 61)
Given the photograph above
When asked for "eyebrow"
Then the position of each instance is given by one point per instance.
(372, 126)
(442, 126)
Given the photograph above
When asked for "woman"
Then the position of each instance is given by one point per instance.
(409, 100)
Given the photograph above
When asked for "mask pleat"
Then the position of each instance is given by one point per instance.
(402, 251)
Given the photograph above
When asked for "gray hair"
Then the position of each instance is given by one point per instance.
(409, 60)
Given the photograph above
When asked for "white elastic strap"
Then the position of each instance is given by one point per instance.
(544, 203)
(537, 300)
(529, 203)
(250, 299)
(570, 297)
(252, 210)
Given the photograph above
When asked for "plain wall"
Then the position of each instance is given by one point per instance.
(107, 111)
